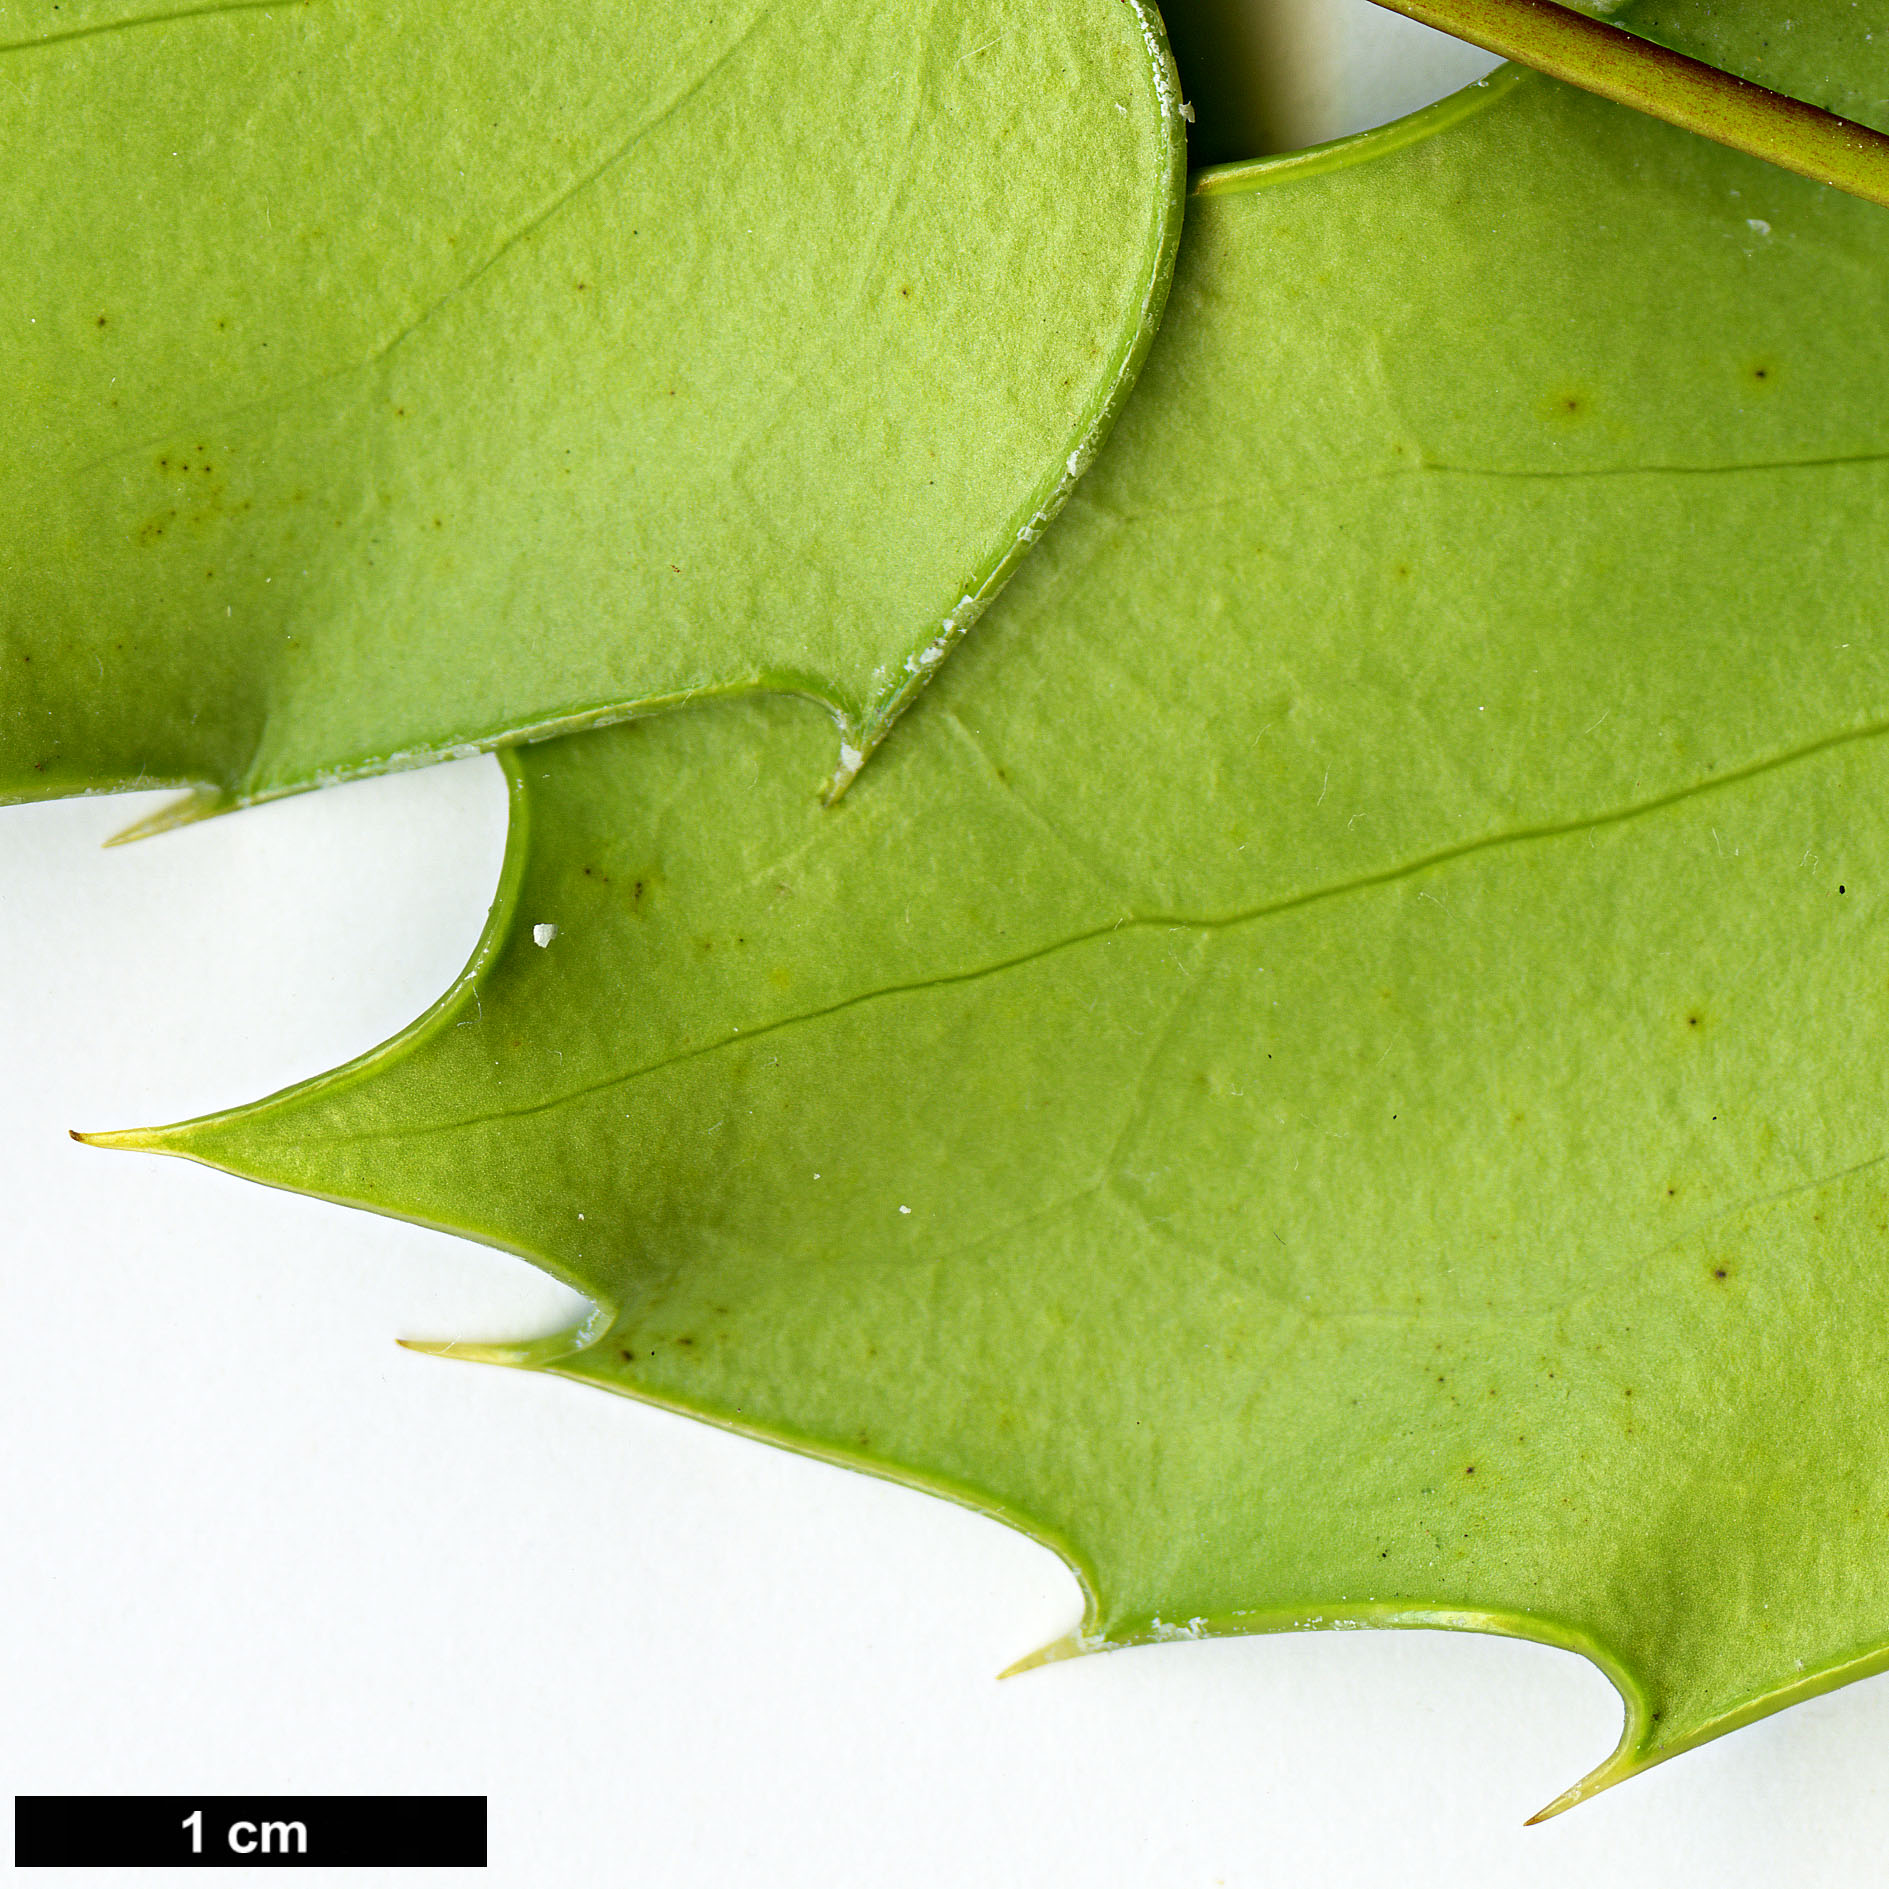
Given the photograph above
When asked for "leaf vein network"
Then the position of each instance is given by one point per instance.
(1160, 921)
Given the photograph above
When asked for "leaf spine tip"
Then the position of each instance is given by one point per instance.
(138, 1140)
(528, 1354)
(852, 759)
(455, 1348)
(199, 803)
(1070, 1646)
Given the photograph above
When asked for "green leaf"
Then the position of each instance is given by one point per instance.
(385, 384)
(1334, 1072)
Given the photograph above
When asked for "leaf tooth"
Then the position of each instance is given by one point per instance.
(1070, 1646)
(524, 1354)
(1616, 1770)
(139, 1140)
(200, 803)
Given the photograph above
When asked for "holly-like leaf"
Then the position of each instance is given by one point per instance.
(1334, 1071)
(386, 383)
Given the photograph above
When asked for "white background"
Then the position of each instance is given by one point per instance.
(251, 1545)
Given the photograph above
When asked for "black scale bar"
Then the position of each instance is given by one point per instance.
(249, 1832)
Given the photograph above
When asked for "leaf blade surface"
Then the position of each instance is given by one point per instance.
(1333, 1081)
(395, 384)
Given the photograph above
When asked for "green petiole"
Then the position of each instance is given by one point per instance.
(1621, 66)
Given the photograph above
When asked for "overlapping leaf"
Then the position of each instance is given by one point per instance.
(383, 383)
(1334, 1072)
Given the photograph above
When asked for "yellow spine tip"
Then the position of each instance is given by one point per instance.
(200, 803)
(1070, 1646)
(517, 1356)
(142, 1140)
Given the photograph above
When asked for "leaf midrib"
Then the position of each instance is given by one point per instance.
(1167, 921)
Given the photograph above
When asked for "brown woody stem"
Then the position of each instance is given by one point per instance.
(1665, 84)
